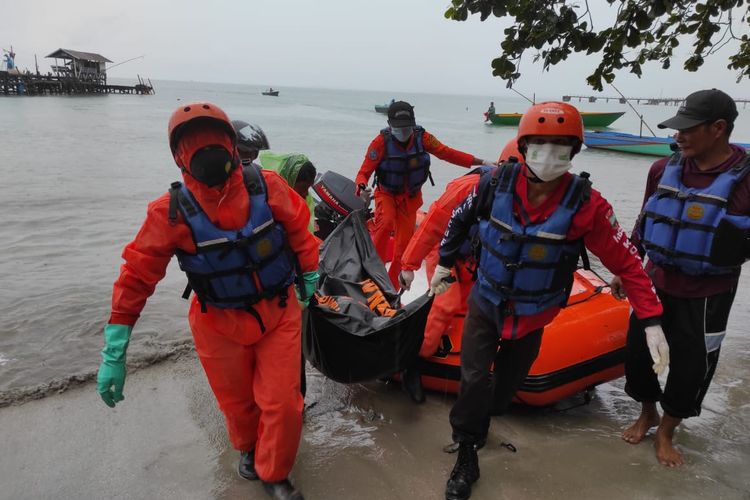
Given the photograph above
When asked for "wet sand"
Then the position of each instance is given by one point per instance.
(167, 440)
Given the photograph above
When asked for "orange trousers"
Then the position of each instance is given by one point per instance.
(256, 380)
(394, 213)
(446, 306)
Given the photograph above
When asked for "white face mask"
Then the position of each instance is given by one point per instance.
(548, 161)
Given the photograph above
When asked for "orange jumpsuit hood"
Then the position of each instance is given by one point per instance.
(226, 206)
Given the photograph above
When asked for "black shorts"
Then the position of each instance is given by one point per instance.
(694, 328)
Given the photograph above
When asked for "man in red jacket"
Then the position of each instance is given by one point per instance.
(229, 229)
(400, 158)
(424, 246)
(534, 218)
(695, 229)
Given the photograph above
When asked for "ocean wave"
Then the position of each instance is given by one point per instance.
(22, 395)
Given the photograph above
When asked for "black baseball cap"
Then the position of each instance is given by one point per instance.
(401, 114)
(702, 107)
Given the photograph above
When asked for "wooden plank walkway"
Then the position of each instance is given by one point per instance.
(33, 84)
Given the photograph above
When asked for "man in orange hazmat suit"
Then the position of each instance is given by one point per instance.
(241, 237)
(400, 158)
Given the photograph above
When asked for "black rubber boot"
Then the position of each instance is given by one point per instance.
(464, 474)
(247, 465)
(411, 381)
(282, 490)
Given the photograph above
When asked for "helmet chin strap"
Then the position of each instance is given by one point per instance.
(534, 178)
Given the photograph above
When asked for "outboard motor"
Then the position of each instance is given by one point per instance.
(338, 199)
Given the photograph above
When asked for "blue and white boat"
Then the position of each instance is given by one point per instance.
(630, 143)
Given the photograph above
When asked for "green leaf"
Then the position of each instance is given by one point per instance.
(642, 20)
(499, 11)
(634, 38)
(694, 62)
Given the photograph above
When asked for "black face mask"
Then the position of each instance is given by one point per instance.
(211, 165)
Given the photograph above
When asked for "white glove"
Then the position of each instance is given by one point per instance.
(487, 163)
(405, 279)
(364, 193)
(439, 283)
(658, 347)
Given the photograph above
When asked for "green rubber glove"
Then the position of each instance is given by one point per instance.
(111, 378)
(308, 285)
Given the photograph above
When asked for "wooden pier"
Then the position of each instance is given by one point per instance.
(74, 73)
(33, 85)
(649, 101)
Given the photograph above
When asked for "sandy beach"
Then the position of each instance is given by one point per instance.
(167, 440)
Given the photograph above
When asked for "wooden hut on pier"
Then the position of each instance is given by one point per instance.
(84, 66)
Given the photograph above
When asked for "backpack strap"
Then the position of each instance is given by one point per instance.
(500, 179)
(177, 198)
(580, 195)
(253, 180)
(174, 193)
(581, 191)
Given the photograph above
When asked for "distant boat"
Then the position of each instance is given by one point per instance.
(271, 92)
(382, 108)
(629, 143)
(590, 119)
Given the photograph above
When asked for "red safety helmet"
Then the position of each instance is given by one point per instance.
(510, 149)
(552, 118)
(194, 112)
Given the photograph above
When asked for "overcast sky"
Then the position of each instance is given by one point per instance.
(388, 45)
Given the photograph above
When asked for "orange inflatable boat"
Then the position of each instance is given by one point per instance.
(583, 347)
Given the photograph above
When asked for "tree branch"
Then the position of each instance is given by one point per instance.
(644, 30)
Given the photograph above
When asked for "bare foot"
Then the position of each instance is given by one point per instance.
(635, 433)
(666, 453)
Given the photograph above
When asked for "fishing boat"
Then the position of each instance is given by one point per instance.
(590, 119)
(630, 143)
(583, 347)
(271, 92)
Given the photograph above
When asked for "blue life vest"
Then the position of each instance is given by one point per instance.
(403, 170)
(234, 269)
(689, 228)
(527, 268)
